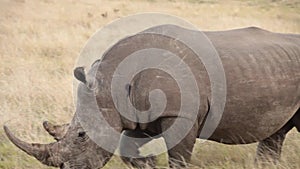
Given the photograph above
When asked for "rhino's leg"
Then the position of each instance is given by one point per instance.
(180, 154)
(269, 149)
(129, 149)
(57, 131)
(296, 120)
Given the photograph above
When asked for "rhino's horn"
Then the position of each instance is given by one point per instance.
(57, 131)
(39, 151)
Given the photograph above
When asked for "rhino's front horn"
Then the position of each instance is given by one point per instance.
(43, 152)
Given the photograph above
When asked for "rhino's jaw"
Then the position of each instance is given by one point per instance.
(87, 160)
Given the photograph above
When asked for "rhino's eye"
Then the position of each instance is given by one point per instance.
(81, 134)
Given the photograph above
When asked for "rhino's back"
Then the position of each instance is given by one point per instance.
(263, 82)
(262, 76)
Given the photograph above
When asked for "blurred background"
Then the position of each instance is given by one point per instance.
(40, 41)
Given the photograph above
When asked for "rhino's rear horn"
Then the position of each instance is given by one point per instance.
(57, 131)
(80, 74)
(39, 151)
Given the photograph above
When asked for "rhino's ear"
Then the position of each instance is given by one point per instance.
(80, 74)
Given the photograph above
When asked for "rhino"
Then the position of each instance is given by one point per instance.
(262, 70)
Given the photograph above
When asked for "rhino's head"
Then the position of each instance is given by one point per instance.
(74, 149)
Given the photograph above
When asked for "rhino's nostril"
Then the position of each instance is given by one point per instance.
(81, 134)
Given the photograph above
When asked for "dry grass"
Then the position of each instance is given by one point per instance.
(41, 40)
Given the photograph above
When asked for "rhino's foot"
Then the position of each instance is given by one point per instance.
(269, 149)
(129, 148)
(140, 163)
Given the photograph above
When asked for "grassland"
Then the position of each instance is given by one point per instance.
(40, 41)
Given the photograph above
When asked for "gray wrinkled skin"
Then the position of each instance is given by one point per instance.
(263, 100)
